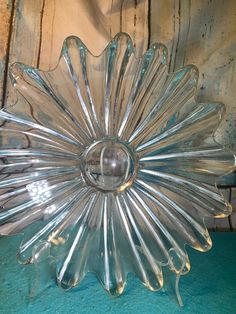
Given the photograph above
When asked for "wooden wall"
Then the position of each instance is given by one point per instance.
(202, 32)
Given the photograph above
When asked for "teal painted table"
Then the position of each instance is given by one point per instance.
(210, 287)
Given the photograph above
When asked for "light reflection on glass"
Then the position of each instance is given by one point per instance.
(39, 191)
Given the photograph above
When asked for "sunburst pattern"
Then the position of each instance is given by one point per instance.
(111, 162)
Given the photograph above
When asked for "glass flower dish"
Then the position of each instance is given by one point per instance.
(110, 163)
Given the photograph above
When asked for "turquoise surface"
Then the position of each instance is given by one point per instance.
(210, 287)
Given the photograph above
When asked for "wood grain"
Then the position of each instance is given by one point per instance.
(24, 39)
(6, 15)
(203, 33)
(95, 22)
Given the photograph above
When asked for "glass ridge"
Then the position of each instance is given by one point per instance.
(111, 162)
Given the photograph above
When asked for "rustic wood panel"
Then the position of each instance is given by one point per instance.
(33, 31)
(6, 15)
(95, 22)
(203, 33)
(25, 38)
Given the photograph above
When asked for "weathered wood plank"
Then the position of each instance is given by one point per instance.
(95, 22)
(164, 24)
(135, 23)
(203, 33)
(6, 15)
(25, 38)
(212, 47)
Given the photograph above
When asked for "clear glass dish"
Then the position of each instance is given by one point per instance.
(109, 163)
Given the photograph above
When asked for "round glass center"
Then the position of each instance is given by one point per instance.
(109, 165)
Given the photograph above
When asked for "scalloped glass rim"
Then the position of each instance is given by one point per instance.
(132, 215)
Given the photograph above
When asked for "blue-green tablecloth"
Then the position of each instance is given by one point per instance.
(210, 287)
